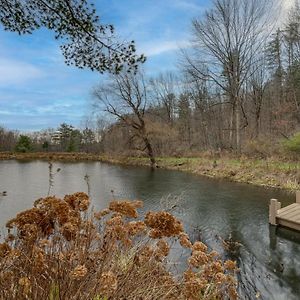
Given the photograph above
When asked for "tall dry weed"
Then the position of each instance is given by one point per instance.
(59, 250)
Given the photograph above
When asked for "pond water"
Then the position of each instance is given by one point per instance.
(269, 260)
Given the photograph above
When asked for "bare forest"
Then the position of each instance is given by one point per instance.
(235, 89)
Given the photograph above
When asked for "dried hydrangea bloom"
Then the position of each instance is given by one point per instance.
(230, 265)
(217, 267)
(137, 203)
(25, 283)
(136, 227)
(184, 240)
(198, 259)
(120, 232)
(29, 232)
(14, 254)
(61, 256)
(192, 285)
(163, 224)
(145, 254)
(108, 283)
(78, 272)
(115, 219)
(10, 237)
(55, 236)
(4, 250)
(101, 213)
(69, 231)
(232, 292)
(6, 277)
(214, 254)
(78, 201)
(33, 216)
(126, 208)
(163, 247)
(220, 278)
(44, 243)
(199, 246)
(55, 209)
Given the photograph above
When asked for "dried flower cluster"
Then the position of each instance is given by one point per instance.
(58, 250)
(163, 224)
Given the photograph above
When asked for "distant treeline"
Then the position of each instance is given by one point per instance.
(237, 89)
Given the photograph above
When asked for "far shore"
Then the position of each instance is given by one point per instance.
(269, 172)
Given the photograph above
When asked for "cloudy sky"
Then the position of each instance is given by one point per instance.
(38, 91)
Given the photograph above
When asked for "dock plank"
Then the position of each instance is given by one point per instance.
(295, 219)
(288, 216)
(288, 208)
(289, 224)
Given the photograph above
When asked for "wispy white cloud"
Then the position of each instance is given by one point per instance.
(16, 72)
(189, 5)
(38, 90)
(154, 48)
(285, 7)
(287, 4)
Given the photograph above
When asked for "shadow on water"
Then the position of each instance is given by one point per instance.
(220, 213)
(283, 233)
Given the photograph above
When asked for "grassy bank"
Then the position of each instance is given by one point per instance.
(269, 172)
(262, 172)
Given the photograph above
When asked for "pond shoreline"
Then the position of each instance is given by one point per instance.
(271, 173)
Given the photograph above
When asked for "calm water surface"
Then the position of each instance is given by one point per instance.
(269, 260)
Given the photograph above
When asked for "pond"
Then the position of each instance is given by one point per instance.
(211, 209)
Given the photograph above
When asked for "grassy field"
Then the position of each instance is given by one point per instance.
(269, 172)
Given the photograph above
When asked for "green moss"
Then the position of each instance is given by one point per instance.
(293, 144)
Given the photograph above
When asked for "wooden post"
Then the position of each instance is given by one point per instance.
(273, 211)
(298, 197)
(278, 206)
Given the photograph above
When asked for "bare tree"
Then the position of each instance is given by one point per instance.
(225, 41)
(257, 85)
(125, 97)
(164, 93)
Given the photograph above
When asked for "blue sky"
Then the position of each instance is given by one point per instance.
(38, 91)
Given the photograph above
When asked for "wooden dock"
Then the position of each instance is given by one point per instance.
(288, 216)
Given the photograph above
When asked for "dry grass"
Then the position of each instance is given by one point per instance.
(58, 250)
(52, 156)
(271, 172)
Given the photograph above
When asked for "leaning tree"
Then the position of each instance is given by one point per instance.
(125, 97)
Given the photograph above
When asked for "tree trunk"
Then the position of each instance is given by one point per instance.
(233, 112)
(150, 152)
(237, 126)
(257, 117)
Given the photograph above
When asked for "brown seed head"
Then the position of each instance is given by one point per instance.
(78, 272)
(108, 283)
(78, 201)
(230, 265)
(199, 246)
(126, 208)
(163, 224)
(184, 240)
